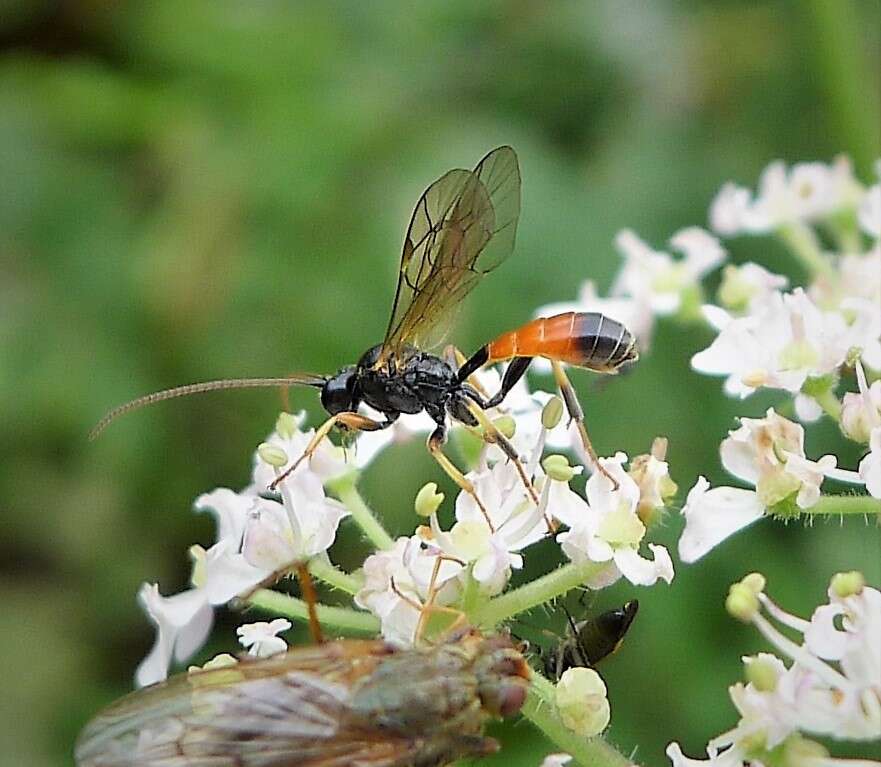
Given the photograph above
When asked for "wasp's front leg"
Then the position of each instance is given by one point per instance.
(348, 420)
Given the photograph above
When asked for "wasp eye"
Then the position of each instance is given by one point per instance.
(337, 395)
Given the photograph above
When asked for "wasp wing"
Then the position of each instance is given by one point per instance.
(463, 226)
(276, 712)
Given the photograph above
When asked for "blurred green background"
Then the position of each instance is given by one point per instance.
(210, 189)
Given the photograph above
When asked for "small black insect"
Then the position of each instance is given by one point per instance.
(587, 642)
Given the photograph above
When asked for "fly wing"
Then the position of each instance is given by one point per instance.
(289, 709)
(463, 226)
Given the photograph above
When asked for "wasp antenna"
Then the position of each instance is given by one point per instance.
(198, 388)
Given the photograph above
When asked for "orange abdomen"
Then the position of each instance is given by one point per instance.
(585, 339)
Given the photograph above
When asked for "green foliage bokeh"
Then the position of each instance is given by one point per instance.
(200, 190)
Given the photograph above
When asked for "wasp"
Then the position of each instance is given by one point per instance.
(463, 226)
(341, 703)
(587, 642)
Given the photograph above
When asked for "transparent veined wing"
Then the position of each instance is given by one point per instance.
(463, 226)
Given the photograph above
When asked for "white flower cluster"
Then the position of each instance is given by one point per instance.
(799, 342)
(604, 527)
(831, 687)
(256, 538)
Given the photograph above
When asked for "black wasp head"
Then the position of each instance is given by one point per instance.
(338, 392)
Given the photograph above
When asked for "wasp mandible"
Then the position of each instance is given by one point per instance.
(463, 226)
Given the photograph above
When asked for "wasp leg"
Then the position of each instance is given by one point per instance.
(576, 414)
(492, 436)
(307, 589)
(454, 357)
(435, 444)
(310, 597)
(429, 606)
(513, 373)
(353, 421)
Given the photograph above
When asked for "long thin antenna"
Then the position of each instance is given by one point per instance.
(198, 388)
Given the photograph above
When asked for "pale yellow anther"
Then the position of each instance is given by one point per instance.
(557, 467)
(756, 582)
(428, 500)
(754, 378)
(286, 425)
(847, 584)
(506, 425)
(272, 454)
(742, 602)
(552, 413)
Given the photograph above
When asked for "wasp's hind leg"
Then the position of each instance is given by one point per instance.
(348, 420)
(492, 436)
(576, 414)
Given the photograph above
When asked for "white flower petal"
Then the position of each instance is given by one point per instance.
(712, 515)
(870, 466)
(644, 572)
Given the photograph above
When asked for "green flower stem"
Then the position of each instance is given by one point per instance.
(846, 504)
(341, 618)
(802, 241)
(325, 571)
(588, 752)
(363, 516)
(535, 593)
(830, 404)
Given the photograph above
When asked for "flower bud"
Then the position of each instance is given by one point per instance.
(552, 413)
(845, 585)
(286, 425)
(428, 500)
(582, 703)
(742, 602)
(557, 467)
(756, 582)
(506, 425)
(272, 454)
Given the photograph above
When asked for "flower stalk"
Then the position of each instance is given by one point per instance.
(339, 618)
(587, 752)
(363, 515)
(538, 592)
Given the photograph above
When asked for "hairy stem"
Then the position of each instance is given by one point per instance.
(364, 516)
(846, 504)
(535, 593)
(341, 618)
(327, 572)
(588, 752)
